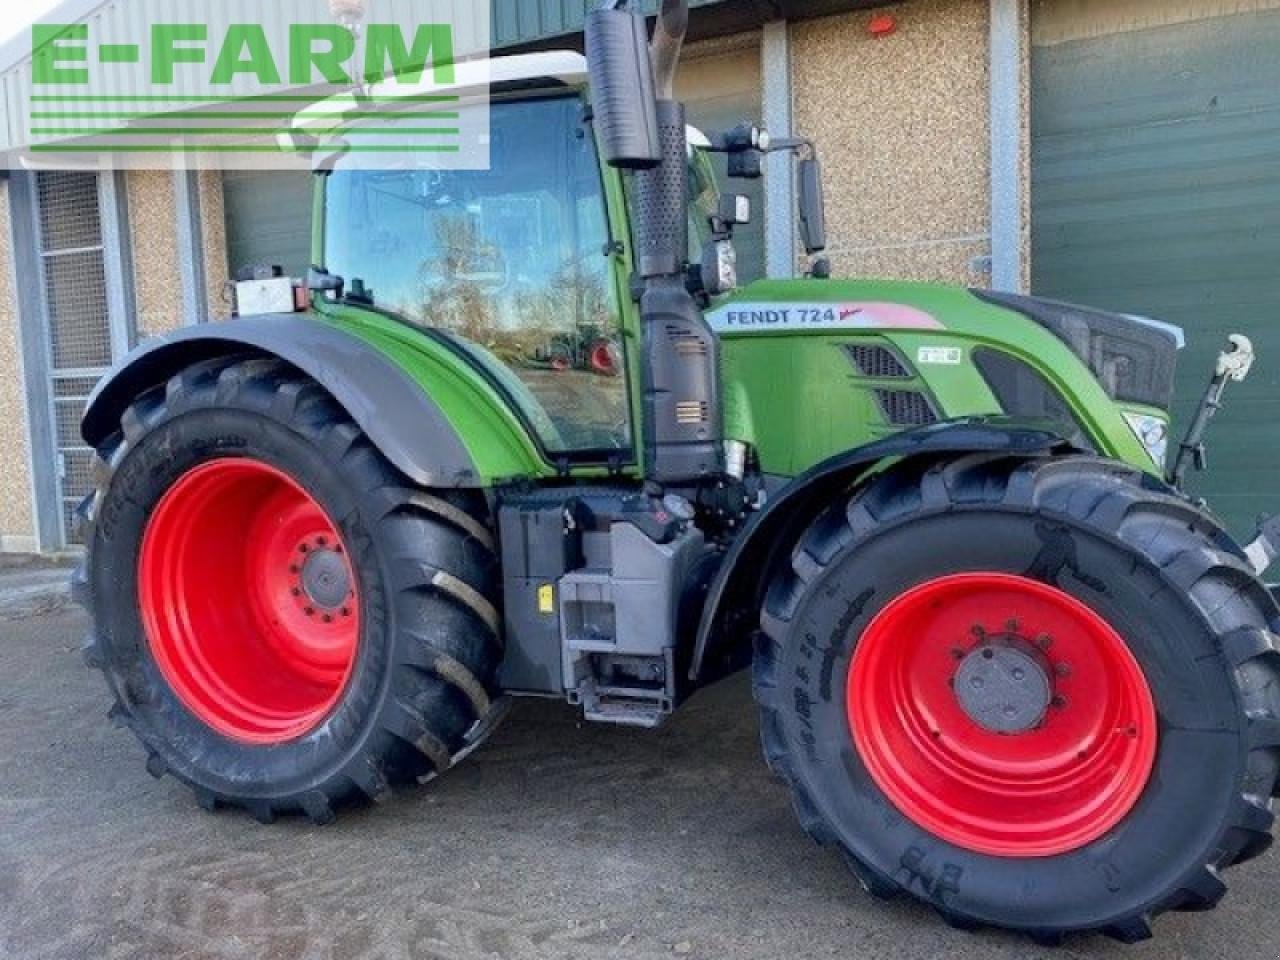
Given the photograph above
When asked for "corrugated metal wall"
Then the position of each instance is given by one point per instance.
(525, 21)
(1156, 189)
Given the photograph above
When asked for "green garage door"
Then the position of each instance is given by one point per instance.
(1156, 190)
(268, 220)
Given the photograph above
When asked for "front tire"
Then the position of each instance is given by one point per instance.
(1133, 759)
(287, 625)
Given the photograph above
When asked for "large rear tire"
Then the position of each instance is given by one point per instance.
(1038, 694)
(286, 623)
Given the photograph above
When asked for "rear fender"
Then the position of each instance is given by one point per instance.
(398, 416)
(731, 613)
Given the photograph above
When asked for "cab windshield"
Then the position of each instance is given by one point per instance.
(511, 263)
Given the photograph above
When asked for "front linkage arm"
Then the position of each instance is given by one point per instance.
(1234, 364)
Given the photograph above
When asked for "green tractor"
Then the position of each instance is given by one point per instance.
(1003, 663)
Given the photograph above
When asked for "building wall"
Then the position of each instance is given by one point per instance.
(17, 521)
(153, 224)
(902, 125)
(213, 219)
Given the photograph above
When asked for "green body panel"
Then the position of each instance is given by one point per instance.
(797, 397)
(498, 442)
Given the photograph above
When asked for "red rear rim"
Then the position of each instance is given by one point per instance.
(1002, 715)
(249, 601)
(602, 359)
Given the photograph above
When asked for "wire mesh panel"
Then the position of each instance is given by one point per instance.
(73, 272)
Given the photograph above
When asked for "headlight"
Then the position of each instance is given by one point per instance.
(1153, 433)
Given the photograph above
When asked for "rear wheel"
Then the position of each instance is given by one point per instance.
(1037, 694)
(286, 624)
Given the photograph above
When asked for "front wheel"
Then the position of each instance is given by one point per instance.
(1039, 695)
(287, 625)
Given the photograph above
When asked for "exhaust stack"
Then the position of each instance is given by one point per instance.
(642, 128)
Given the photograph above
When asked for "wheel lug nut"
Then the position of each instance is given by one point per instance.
(1044, 641)
(1059, 702)
(1011, 625)
(978, 632)
(296, 592)
(1062, 669)
(327, 619)
(309, 611)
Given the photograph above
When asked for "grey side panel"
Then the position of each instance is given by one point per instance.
(399, 417)
(774, 531)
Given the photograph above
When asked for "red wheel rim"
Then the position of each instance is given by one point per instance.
(249, 602)
(983, 765)
(602, 359)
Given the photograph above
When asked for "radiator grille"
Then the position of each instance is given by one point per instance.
(906, 408)
(877, 363)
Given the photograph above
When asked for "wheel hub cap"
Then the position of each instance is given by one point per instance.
(1003, 689)
(325, 579)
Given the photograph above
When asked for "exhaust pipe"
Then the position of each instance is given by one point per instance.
(668, 40)
(642, 128)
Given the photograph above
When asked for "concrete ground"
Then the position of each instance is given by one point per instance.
(32, 585)
(556, 840)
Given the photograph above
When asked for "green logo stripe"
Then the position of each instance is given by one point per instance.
(230, 148)
(239, 115)
(48, 98)
(227, 131)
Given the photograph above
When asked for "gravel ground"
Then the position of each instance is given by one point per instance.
(556, 840)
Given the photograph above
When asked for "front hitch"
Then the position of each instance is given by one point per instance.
(1234, 364)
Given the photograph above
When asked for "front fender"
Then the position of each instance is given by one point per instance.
(738, 589)
(398, 416)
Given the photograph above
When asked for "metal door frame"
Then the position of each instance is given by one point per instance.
(34, 331)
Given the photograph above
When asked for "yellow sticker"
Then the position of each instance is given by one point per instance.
(547, 598)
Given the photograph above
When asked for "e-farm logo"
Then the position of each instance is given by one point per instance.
(245, 94)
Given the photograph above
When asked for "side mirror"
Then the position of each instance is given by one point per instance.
(622, 90)
(813, 215)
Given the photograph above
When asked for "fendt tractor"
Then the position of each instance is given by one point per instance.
(529, 440)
